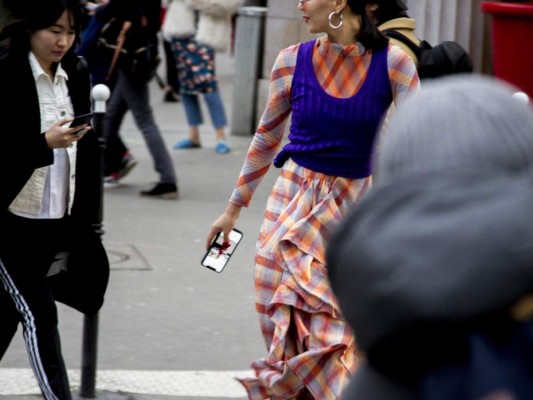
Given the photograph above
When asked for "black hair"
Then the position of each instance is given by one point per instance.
(30, 16)
(389, 9)
(369, 34)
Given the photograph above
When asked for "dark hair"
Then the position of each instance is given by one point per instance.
(389, 9)
(369, 34)
(32, 15)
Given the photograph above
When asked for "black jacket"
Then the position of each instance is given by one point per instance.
(23, 149)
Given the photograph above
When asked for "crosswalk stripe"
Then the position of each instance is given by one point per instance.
(218, 384)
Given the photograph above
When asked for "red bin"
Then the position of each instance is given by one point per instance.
(512, 42)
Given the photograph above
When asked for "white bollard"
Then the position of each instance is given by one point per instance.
(100, 94)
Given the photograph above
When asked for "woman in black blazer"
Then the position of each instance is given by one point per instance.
(50, 179)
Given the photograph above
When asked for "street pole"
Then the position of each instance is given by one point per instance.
(100, 93)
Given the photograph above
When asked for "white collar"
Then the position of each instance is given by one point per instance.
(39, 71)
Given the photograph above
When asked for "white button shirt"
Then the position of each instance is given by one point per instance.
(49, 192)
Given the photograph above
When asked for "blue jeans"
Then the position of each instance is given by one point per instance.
(214, 105)
(127, 95)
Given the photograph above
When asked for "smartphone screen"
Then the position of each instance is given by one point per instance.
(220, 252)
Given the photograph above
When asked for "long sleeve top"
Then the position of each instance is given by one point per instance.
(341, 70)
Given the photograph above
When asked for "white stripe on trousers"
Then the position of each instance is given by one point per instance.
(30, 337)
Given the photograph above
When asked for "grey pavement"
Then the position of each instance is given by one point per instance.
(169, 329)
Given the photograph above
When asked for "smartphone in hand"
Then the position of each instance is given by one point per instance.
(81, 119)
(220, 251)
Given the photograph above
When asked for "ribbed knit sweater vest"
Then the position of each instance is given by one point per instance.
(333, 135)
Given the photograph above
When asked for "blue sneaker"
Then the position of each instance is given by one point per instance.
(222, 148)
(187, 144)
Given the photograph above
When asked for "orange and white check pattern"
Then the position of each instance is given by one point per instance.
(310, 346)
(338, 79)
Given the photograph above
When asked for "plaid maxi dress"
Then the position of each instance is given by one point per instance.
(309, 342)
(311, 349)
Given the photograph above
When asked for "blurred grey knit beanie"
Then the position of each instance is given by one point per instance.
(470, 122)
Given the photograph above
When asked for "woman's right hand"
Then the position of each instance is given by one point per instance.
(59, 136)
(224, 223)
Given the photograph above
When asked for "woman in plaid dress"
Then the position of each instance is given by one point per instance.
(336, 89)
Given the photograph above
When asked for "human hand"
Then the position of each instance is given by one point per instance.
(59, 136)
(224, 223)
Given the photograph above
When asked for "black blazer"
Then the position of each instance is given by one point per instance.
(23, 148)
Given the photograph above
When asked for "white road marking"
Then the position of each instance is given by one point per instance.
(218, 384)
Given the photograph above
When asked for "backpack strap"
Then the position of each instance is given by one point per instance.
(119, 44)
(82, 65)
(394, 34)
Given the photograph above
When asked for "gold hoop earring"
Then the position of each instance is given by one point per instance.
(330, 17)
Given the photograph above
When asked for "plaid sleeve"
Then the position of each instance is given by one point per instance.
(402, 74)
(269, 134)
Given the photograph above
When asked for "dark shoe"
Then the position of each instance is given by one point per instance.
(162, 191)
(127, 164)
(171, 97)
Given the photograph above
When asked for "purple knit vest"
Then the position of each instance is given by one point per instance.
(335, 136)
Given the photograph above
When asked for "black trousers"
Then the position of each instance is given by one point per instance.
(170, 67)
(26, 253)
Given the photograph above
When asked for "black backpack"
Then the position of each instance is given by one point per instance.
(446, 58)
(138, 56)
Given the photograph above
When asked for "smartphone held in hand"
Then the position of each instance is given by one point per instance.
(81, 119)
(220, 251)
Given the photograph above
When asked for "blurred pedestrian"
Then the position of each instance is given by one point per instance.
(170, 85)
(393, 15)
(88, 46)
(122, 160)
(432, 61)
(51, 181)
(337, 88)
(433, 268)
(139, 23)
(194, 47)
